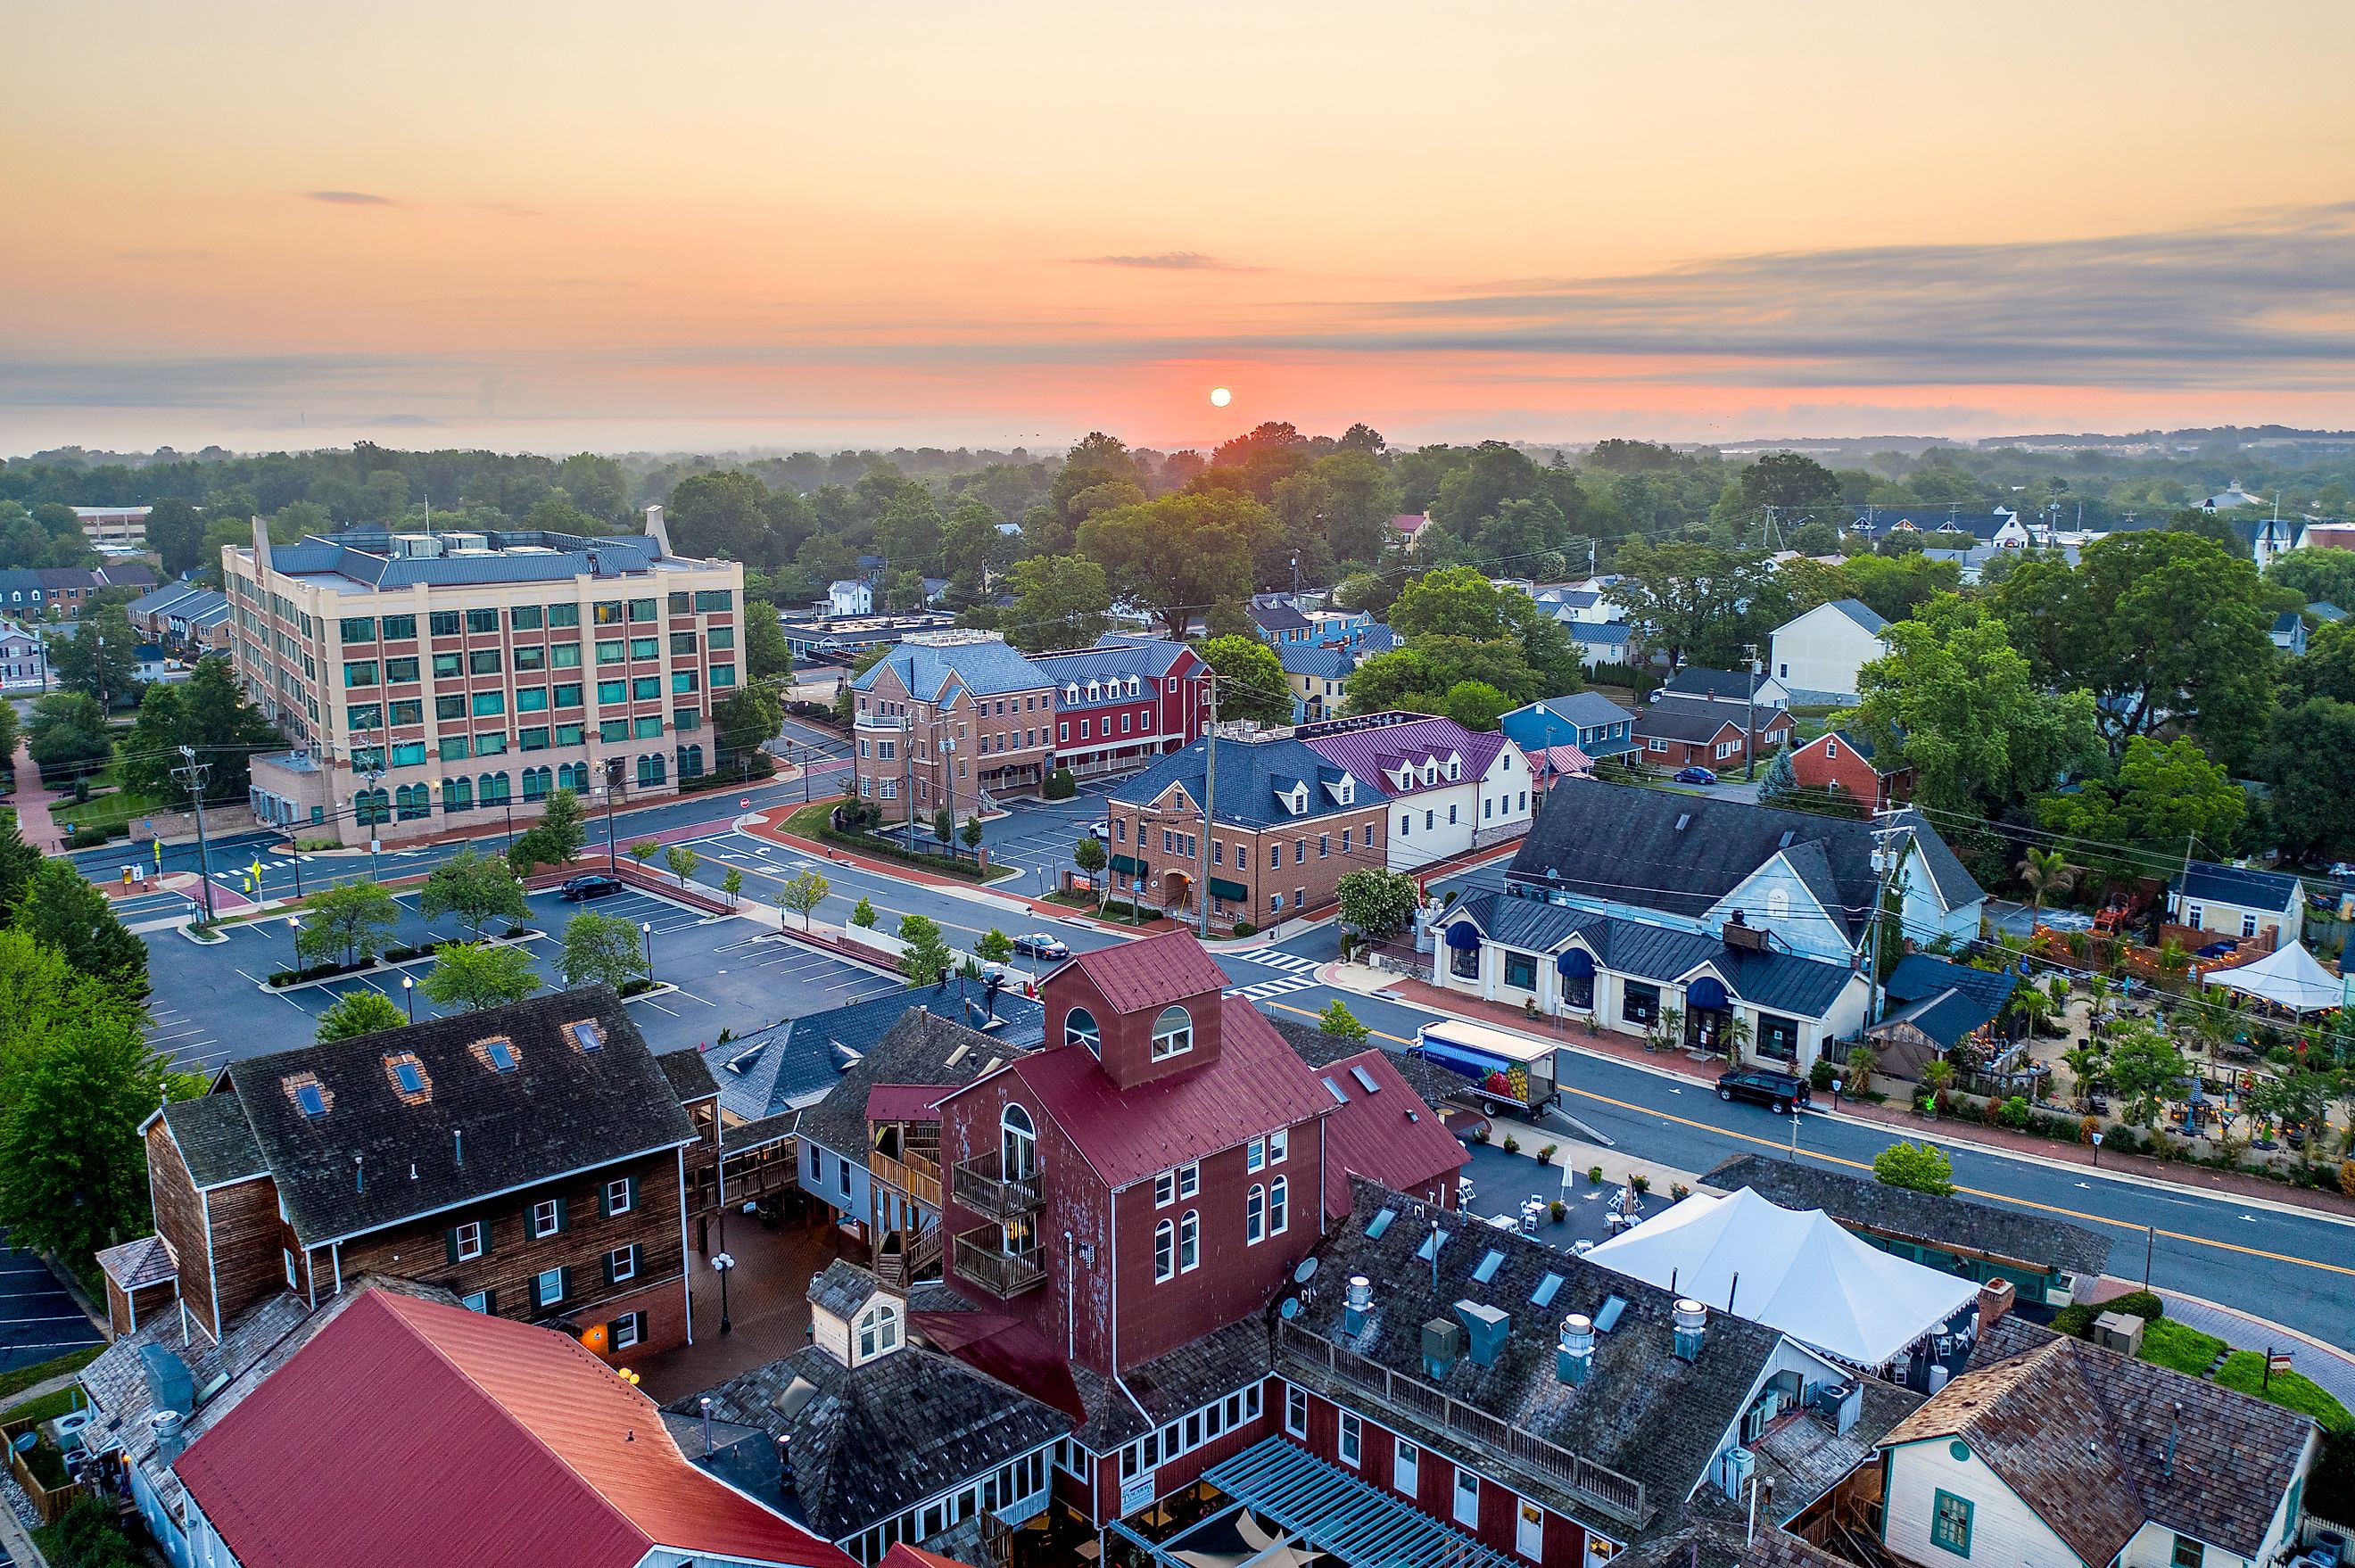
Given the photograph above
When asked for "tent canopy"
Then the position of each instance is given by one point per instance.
(2287, 978)
(1800, 1272)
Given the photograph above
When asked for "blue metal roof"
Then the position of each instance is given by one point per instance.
(1316, 660)
(795, 1061)
(1329, 1508)
(2243, 886)
(1251, 775)
(986, 670)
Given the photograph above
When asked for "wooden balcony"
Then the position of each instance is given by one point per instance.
(982, 1259)
(917, 1177)
(976, 1185)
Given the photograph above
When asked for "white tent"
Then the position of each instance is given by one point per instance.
(1799, 1272)
(2287, 978)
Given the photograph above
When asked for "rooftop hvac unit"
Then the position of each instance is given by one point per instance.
(416, 547)
(533, 550)
(467, 541)
(1735, 1470)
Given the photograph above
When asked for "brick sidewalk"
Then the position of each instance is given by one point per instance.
(31, 803)
(1911, 1123)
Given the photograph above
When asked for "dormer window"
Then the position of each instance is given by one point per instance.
(1430, 773)
(879, 1330)
(1071, 692)
(1080, 1029)
(1173, 1033)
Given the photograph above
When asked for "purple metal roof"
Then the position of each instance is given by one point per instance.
(1373, 752)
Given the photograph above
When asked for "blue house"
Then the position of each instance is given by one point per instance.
(1586, 719)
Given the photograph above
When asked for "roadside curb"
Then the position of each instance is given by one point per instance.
(380, 967)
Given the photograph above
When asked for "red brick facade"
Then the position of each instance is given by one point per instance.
(1834, 760)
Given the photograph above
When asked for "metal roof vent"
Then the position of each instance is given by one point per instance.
(1442, 1341)
(1356, 1303)
(1691, 1322)
(1574, 1358)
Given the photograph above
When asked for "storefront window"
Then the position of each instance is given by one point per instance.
(1778, 1038)
(1522, 971)
(1642, 1003)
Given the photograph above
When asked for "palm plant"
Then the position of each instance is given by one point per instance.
(2045, 871)
(2081, 1063)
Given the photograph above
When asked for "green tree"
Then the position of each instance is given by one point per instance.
(720, 515)
(1251, 686)
(2144, 1066)
(1474, 704)
(767, 654)
(803, 894)
(561, 820)
(175, 532)
(1182, 555)
(969, 833)
(1676, 594)
(345, 922)
(8, 735)
(1918, 1167)
(1089, 856)
(2304, 760)
(101, 659)
(2318, 576)
(2164, 794)
(732, 884)
(1795, 485)
(19, 862)
(2328, 667)
(926, 958)
(1779, 782)
(943, 825)
(63, 911)
(1059, 601)
(1338, 1020)
(475, 887)
(600, 950)
(2045, 871)
(682, 860)
(745, 723)
(644, 850)
(1376, 902)
(993, 945)
(74, 1174)
(862, 914)
(472, 979)
(67, 735)
(362, 1011)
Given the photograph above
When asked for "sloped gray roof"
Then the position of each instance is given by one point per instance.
(984, 668)
(796, 1062)
(1250, 773)
(1862, 613)
(917, 1049)
(216, 1141)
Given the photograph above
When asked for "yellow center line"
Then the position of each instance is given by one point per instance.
(1782, 1145)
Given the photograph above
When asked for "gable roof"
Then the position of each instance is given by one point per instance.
(918, 1048)
(1949, 1221)
(1863, 614)
(797, 1061)
(984, 666)
(1946, 1001)
(1321, 660)
(2241, 885)
(1252, 773)
(2096, 1443)
(1587, 710)
(1372, 751)
(373, 1158)
(215, 1140)
(1718, 684)
(1690, 718)
(1853, 742)
(532, 1451)
(1385, 1132)
(1151, 973)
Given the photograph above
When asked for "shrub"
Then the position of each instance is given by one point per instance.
(1559, 1209)
(2076, 1321)
(2015, 1112)
(1545, 1155)
(1245, 928)
(1820, 1077)
(2346, 1177)
(2086, 1127)
(1512, 1144)
(2142, 1304)
(1918, 1167)
(1594, 1176)
(1480, 1133)
(1639, 1182)
(2123, 1140)
(1060, 785)
(637, 986)
(1678, 1191)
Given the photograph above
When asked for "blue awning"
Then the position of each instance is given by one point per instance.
(1576, 964)
(1326, 1506)
(1463, 936)
(1707, 993)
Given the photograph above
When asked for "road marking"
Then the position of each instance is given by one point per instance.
(1783, 1145)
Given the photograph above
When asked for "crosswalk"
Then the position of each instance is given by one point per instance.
(1301, 973)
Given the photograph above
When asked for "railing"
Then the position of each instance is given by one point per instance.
(916, 1254)
(976, 1185)
(981, 1257)
(1619, 1496)
(917, 1177)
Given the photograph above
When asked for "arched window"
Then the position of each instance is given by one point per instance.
(572, 776)
(1165, 1254)
(651, 768)
(1018, 1144)
(879, 1329)
(1778, 904)
(1173, 1033)
(1189, 1239)
(495, 789)
(1276, 1194)
(457, 794)
(371, 807)
(1255, 1213)
(1080, 1029)
(535, 783)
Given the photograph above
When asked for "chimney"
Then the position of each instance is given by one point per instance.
(1574, 1361)
(1995, 1299)
(1356, 1303)
(1691, 1319)
(166, 1425)
(657, 530)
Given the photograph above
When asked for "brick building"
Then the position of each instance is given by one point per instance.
(536, 1160)
(1290, 823)
(947, 717)
(429, 676)
(1846, 759)
(1125, 701)
(1687, 732)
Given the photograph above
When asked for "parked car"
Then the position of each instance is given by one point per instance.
(1102, 829)
(1764, 1085)
(1039, 944)
(592, 887)
(1695, 776)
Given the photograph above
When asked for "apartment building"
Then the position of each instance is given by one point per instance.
(422, 677)
(1125, 701)
(949, 717)
(1451, 790)
(123, 526)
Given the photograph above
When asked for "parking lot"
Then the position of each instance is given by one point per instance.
(210, 1007)
(1038, 835)
(37, 1319)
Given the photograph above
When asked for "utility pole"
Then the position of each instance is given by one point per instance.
(192, 772)
(1750, 717)
(1210, 823)
(1889, 847)
(908, 767)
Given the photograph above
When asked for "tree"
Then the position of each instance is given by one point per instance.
(745, 723)
(175, 532)
(63, 911)
(101, 659)
(2318, 576)
(943, 825)
(1474, 704)
(803, 894)
(67, 735)
(8, 733)
(600, 950)
(644, 850)
(720, 515)
(363, 1011)
(19, 862)
(1251, 686)
(74, 1174)
(2164, 794)
(1182, 554)
(1956, 703)
(1089, 857)
(993, 945)
(1795, 485)
(2144, 1066)
(1918, 1167)
(472, 978)
(2304, 760)
(560, 820)
(1376, 902)
(2045, 871)
(347, 923)
(926, 957)
(732, 884)
(682, 860)
(970, 835)
(476, 888)
(2328, 670)
(1779, 782)
(1676, 594)
(1059, 601)
(767, 654)
(1338, 1020)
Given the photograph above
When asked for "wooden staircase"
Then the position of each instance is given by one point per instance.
(904, 1258)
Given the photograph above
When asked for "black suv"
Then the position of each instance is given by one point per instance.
(1764, 1085)
(595, 887)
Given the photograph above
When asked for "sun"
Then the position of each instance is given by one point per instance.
(1220, 397)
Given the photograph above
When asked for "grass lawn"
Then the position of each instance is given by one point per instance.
(2171, 1344)
(107, 810)
(43, 1408)
(813, 821)
(2246, 1370)
(41, 1372)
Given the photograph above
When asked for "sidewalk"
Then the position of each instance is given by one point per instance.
(31, 803)
(1898, 1120)
(2322, 1363)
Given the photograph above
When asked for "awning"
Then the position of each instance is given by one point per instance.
(1126, 866)
(1326, 1506)
(1463, 936)
(1222, 889)
(1576, 964)
(1707, 993)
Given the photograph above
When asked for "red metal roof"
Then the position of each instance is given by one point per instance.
(906, 1556)
(1385, 1135)
(1151, 974)
(904, 1102)
(1256, 1083)
(411, 1432)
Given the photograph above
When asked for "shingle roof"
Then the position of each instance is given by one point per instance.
(531, 1450)
(1276, 617)
(1947, 1001)
(870, 1442)
(1587, 710)
(216, 1141)
(984, 668)
(797, 1061)
(2245, 886)
(842, 1288)
(1692, 680)
(918, 1048)
(1687, 719)
(1863, 614)
(1372, 752)
(2096, 1443)
(1251, 775)
(1862, 1203)
(562, 1108)
(689, 1075)
(1431, 1082)
(136, 1264)
(1253, 1084)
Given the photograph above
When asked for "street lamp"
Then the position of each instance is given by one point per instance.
(646, 932)
(721, 1264)
(409, 996)
(1794, 1129)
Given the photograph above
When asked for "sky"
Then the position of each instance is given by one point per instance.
(696, 225)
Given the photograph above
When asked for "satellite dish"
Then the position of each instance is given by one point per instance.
(1306, 1272)
(1290, 1309)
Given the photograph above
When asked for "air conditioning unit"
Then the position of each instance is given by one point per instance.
(1735, 1469)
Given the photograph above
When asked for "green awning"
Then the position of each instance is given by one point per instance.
(1222, 889)
(1126, 866)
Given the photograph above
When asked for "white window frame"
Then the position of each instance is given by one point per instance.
(1350, 1443)
(1165, 1252)
(1406, 1467)
(1279, 1206)
(1279, 1144)
(624, 1263)
(1296, 1410)
(540, 1287)
(617, 1196)
(468, 1252)
(1169, 1040)
(1254, 1215)
(1466, 1486)
(549, 1225)
(625, 1331)
(1189, 1179)
(1164, 1189)
(1254, 1154)
(1190, 1241)
(1524, 1526)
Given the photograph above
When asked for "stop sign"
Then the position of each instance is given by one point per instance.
(743, 802)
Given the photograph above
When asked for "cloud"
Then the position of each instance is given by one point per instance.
(509, 209)
(349, 198)
(1170, 261)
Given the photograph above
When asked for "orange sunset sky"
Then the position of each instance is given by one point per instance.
(690, 226)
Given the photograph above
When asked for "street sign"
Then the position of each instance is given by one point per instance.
(743, 802)
(2278, 1361)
